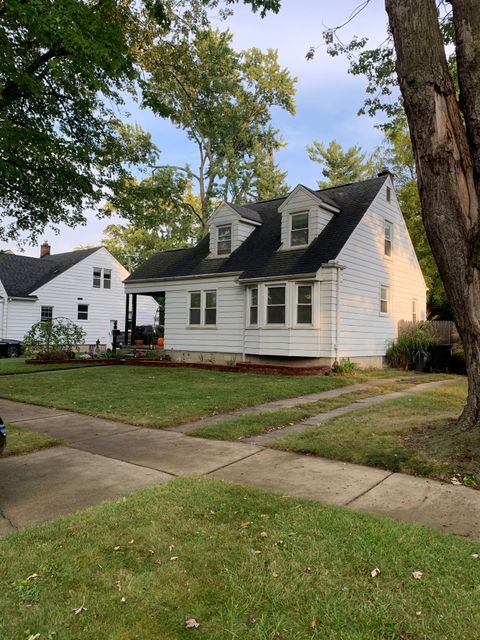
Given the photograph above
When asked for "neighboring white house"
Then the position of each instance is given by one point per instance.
(85, 286)
(322, 275)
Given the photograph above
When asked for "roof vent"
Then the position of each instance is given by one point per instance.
(385, 172)
(44, 249)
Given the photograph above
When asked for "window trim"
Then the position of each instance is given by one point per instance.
(389, 194)
(414, 309)
(79, 312)
(386, 299)
(199, 323)
(387, 223)
(99, 277)
(291, 230)
(284, 305)
(252, 306)
(46, 306)
(209, 324)
(299, 304)
(109, 279)
(203, 301)
(224, 226)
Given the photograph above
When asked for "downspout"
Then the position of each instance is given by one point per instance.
(337, 316)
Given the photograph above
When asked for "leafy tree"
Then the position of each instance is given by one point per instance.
(340, 166)
(444, 123)
(222, 99)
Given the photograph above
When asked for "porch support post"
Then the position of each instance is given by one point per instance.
(134, 315)
(127, 309)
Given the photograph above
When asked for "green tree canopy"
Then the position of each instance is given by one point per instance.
(339, 165)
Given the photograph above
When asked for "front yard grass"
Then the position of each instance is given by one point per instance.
(9, 366)
(242, 563)
(256, 424)
(20, 441)
(159, 397)
(410, 434)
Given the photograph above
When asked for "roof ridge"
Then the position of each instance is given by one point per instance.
(347, 184)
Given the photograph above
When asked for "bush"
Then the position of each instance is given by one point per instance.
(345, 367)
(58, 339)
(412, 347)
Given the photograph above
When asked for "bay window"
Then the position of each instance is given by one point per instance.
(304, 304)
(276, 305)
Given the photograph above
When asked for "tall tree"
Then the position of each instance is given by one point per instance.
(222, 99)
(445, 131)
(339, 165)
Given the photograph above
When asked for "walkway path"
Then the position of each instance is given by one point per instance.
(102, 460)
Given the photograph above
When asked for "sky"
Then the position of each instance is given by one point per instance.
(328, 98)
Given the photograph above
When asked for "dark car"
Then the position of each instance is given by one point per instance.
(3, 436)
(10, 348)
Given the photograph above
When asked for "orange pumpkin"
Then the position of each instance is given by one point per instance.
(160, 342)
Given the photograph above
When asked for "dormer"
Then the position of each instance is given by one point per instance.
(230, 225)
(305, 214)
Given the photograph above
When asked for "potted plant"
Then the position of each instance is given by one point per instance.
(138, 337)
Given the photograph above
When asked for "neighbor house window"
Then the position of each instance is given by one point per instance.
(389, 194)
(414, 310)
(224, 240)
(304, 304)
(254, 305)
(195, 307)
(388, 238)
(210, 307)
(299, 232)
(46, 314)
(107, 278)
(97, 277)
(82, 312)
(276, 305)
(384, 298)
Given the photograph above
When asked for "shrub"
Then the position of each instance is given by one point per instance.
(57, 339)
(345, 367)
(412, 347)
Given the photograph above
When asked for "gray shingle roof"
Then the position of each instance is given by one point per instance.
(258, 255)
(22, 275)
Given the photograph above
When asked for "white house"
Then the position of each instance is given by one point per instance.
(318, 275)
(85, 286)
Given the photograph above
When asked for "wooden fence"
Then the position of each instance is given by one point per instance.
(444, 330)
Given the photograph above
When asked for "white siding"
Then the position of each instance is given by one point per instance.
(75, 286)
(364, 331)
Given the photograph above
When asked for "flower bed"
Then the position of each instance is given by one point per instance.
(243, 367)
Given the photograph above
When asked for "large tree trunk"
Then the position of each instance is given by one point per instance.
(446, 143)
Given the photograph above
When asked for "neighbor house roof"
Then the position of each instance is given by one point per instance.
(22, 275)
(258, 255)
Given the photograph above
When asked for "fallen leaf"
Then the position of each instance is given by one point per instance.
(263, 534)
(246, 524)
(274, 574)
(255, 552)
(131, 541)
(118, 585)
(374, 573)
(116, 548)
(418, 575)
(313, 623)
(174, 558)
(34, 637)
(455, 481)
(475, 556)
(191, 623)
(151, 552)
(123, 599)
(34, 575)
(79, 609)
(418, 613)
(171, 547)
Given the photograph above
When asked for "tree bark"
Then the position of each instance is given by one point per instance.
(445, 141)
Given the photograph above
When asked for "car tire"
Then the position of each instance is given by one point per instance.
(13, 351)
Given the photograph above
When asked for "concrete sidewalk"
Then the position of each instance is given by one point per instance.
(103, 459)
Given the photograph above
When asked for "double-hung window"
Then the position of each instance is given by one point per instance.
(224, 240)
(388, 227)
(384, 299)
(210, 307)
(97, 277)
(253, 317)
(82, 312)
(414, 310)
(299, 229)
(276, 305)
(107, 278)
(100, 274)
(46, 314)
(304, 304)
(195, 315)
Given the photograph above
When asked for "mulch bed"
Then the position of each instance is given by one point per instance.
(80, 361)
(242, 367)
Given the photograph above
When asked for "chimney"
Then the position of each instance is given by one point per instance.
(44, 249)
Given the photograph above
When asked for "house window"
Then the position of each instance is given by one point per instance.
(46, 314)
(210, 307)
(254, 305)
(388, 238)
(82, 312)
(224, 240)
(195, 307)
(97, 277)
(299, 233)
(107, 278)
(384, 298)
(414, 310)
(389, 194)
(304, 304)
(276, 305)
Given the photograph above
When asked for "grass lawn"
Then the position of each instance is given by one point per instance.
(243, 563)
(10, 366)
(159, 397)
(271, 420)
(409, 434)
(20, 440)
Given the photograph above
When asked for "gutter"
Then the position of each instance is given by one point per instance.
(291, 276)
(190, 277)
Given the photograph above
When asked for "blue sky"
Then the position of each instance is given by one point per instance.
(328, 97)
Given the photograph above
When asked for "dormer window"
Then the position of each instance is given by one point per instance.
(224, 240)
(299, 229)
